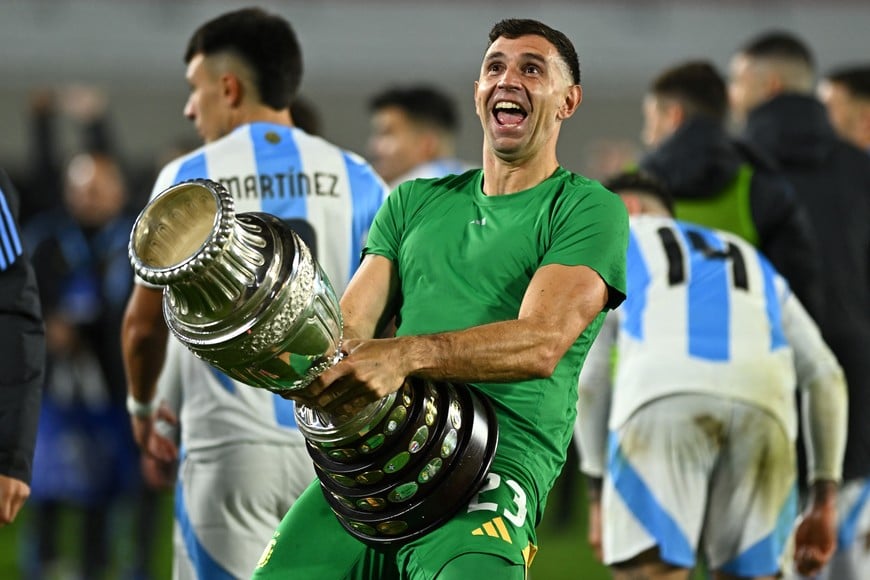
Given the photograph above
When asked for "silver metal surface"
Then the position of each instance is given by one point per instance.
(242, 292)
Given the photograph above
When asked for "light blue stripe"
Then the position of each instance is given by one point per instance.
(763, 558)
(281, 157)
(848, 529)
(673, 545)
(709, 302)
(366, 193)
(8, 234)
(637, 284)
(773, 308)
(225, 381)
(4, 262)
(204, 565)
(194, 167)
(448, 166)
(12, 229)
(285, 412)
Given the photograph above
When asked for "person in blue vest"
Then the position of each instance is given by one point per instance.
(243, 460)
(721, 183)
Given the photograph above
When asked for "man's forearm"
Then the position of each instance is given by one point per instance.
(594, 485)
(824, 395)
(559, 305)
(498, 352)
(368, 304)
(825, 416)
(143, 342)
(143, 359)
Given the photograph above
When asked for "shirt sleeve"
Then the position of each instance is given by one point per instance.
(823, 393)
(591, 229)
(389, 224)
(593, 404)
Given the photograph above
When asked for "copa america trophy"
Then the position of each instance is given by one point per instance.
(243, 293)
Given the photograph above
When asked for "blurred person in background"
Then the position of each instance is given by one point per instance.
(689, 442)
(244, 461)
(603, 157)
(22, 357)
(772, 81)
(720, 183)
(85, 453)
(845, 92)
(49, 108)
(97, 195)
(413, 134)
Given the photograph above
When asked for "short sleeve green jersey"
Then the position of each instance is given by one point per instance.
(465, 259)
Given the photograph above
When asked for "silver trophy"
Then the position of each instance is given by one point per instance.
(243, 292)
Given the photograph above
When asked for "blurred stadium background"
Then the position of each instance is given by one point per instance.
(354, 48)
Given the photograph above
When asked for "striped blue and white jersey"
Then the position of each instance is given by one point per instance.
(705, 313)
(329, 196)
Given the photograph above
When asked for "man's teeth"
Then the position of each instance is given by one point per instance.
(508, 114)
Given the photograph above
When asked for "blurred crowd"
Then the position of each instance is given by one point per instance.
(77, 213)
(78, 208)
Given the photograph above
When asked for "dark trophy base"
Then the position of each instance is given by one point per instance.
(415, 469)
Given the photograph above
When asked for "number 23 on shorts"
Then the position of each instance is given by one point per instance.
(514, 513)
(507, 500)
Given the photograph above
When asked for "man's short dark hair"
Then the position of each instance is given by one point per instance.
(641, 182)
(855, 78)
(515, 28)
(782, 45)
(422, 104)
(265, 42)
(697, 85)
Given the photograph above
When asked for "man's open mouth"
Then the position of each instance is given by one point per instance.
(507, 113)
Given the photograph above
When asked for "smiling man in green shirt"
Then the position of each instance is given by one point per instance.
(497, 278)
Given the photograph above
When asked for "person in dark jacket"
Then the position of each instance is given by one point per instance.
(845, 91)
(22, 357)
(771, 86)
(723, 184)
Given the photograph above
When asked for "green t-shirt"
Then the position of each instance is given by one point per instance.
(465, 259)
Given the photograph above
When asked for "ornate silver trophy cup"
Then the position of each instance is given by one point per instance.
(243, 293)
